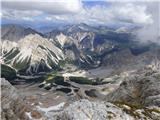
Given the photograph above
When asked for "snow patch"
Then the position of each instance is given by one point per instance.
(76, 74)
(52, 108)
(29, 115)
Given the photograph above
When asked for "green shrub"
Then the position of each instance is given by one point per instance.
(81, 80)
(8, 72)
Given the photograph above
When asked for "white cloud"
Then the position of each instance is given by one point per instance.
(20, 15)
(27, 19)
(73, 11)
(47, 6)
(126, 13)
(151, 32)
(132, 13)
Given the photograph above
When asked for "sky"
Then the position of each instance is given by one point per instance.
(144, 13)
(102, 12)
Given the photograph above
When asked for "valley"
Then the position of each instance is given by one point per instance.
(81, 68)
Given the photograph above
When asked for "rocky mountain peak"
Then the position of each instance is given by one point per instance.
(15, 32)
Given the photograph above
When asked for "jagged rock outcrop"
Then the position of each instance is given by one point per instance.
(99, 110)
(141, 89)
(86, 110)
(63, 40)
(12, 105)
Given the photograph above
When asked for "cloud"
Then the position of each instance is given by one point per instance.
(118, 13)
(151, 32)
(144, 13)
(75, 11)
(19, 15)
(133, 13)
(34, 10)
(47, 6)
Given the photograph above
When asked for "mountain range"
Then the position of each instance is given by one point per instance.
(31, 52)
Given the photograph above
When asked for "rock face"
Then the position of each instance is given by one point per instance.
(86, 110)
(126, 59)
(32, 54)
(13, 106)
(89, 44)
(140, 89)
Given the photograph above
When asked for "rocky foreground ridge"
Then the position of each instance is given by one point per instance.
(137, 98)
